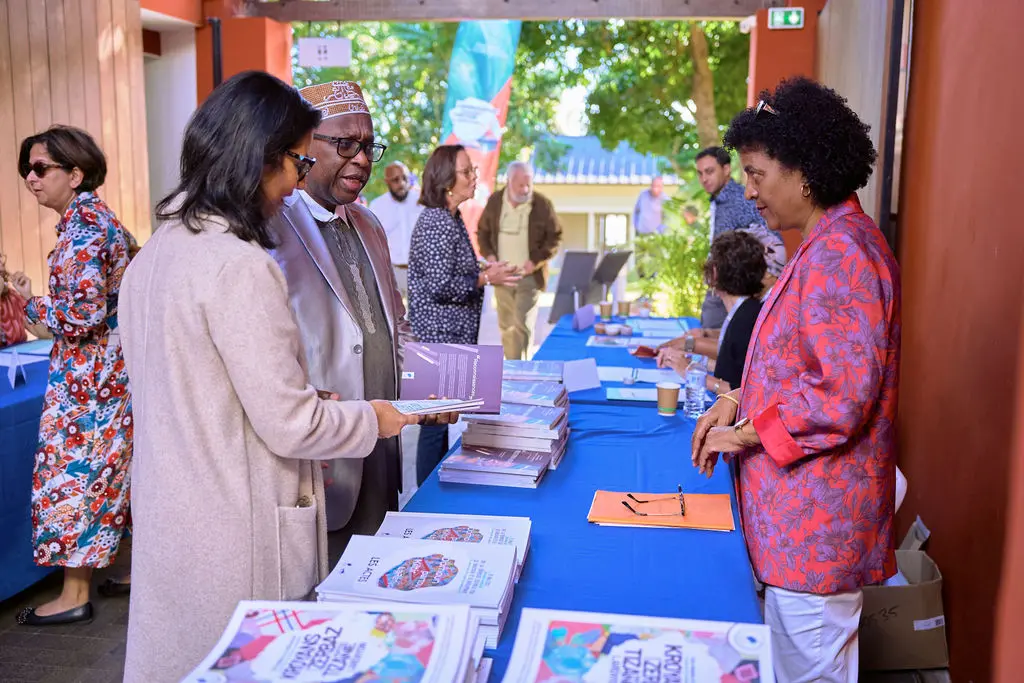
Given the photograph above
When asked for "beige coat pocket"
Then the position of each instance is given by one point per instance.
(296, 542)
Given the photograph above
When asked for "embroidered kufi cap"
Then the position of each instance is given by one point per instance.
(336, 98)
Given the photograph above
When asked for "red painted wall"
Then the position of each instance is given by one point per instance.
(246, 43)
(188, 10)
(961, 247)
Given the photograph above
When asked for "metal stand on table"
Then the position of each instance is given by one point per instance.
(606, 273)
(573, 283)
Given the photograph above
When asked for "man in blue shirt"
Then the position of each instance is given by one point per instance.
(730, 210)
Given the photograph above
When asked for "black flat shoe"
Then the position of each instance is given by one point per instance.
(114, 589)
(82, 613)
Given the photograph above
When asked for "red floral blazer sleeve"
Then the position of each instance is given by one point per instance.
(842, 341)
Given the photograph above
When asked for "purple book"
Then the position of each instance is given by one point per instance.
(498, 461)
(458, 371)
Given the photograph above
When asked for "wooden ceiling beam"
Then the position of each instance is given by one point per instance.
(459, 10)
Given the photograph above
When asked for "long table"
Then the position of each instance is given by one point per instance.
(20, 409)
(565, 343)
(575, 565)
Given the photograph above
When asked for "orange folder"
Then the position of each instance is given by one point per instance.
(703, 510)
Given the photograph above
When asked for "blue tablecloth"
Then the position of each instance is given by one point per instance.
(575, 565)
(565, 343)
(20, 409)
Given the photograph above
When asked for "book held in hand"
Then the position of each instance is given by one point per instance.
(453, 371)
(268, 642)
(435, 406)
(585, 647)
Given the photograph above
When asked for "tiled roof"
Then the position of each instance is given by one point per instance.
(585, 162)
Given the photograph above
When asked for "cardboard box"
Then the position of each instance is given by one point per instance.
(904, 627)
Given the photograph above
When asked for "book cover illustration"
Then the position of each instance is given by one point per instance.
(456, 534)
(307, 642)
(549, 394)
(456, 528)
(607, 648)
(540, 417)
(409, 570)
(420, 572)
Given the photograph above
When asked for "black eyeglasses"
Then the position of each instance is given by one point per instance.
(348, 148)
(679, 497)
(40, 168)
(764, 107)
(303, 163)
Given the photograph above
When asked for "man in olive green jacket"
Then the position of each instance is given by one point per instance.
(521, 227)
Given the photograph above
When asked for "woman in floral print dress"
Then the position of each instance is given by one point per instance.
(80, 486)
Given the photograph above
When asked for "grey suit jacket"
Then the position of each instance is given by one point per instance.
(331, 336)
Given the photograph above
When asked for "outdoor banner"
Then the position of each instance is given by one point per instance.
(479, 85)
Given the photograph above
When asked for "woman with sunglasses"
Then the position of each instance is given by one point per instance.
(228, 503)
(80, 487)
(813, 424)
(446, 282)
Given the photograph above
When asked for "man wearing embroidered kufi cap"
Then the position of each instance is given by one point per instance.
(342, 289)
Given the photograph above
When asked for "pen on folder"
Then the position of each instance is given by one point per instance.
(682, 501)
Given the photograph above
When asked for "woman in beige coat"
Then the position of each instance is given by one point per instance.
(226, 501)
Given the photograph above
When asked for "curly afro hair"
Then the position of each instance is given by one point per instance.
(736, 264)
(811, 130)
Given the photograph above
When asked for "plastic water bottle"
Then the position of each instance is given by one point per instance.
(696, 387)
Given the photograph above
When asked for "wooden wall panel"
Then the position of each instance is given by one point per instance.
(10, 183)
(76, 62)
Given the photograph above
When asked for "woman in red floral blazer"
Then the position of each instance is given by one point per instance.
(813, 425)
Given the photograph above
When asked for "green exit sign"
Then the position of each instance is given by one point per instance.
(785, 17)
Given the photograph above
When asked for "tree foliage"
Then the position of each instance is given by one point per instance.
(642, 74)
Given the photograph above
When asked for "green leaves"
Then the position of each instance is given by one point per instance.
(638, 76)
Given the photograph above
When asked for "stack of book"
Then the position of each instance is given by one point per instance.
(483, 529)
(539, 429)
(267, 642)
(579, 647)
(428, 572)
(547, 394)
(515, 447)
(533, 370)
(485, 466)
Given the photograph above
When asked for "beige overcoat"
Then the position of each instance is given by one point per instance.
(226, 503)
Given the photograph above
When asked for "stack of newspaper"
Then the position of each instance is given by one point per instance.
(428, 572)
(579, 647)
(267, 642)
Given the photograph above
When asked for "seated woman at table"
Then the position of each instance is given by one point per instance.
(446, 284)
(812, 424)
(735, 271)
(228, 504)
(80, 488)
(705, 341)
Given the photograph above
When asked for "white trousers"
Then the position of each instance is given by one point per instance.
(814, 637)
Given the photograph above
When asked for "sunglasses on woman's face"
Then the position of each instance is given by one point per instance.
(40, 168)
(302, 163)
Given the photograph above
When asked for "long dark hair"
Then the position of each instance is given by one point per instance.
(246, 124)
(439, 176)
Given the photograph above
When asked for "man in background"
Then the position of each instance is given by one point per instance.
(647, 214)
(519, 226)
(730, 210)
(397, 212)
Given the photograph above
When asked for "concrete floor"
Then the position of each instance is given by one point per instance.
(94, 652)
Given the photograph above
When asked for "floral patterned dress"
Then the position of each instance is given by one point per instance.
(80, 485)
